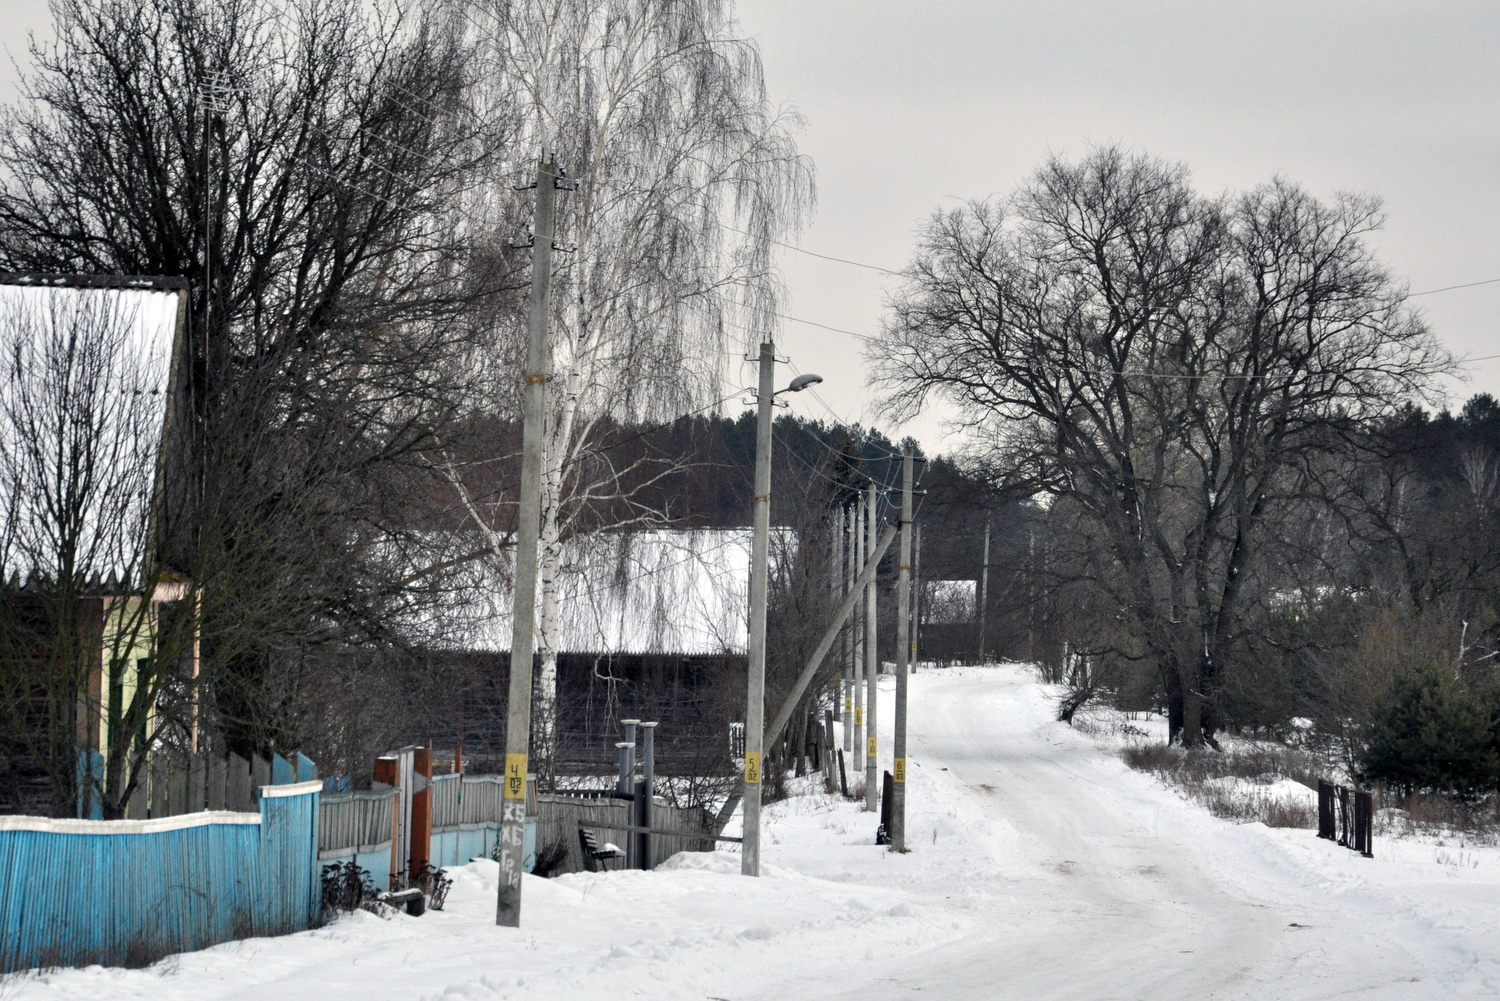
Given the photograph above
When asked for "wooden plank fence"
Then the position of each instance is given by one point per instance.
(174, 784)
(560, 815)
(466, 812)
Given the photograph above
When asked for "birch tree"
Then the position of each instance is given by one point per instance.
(682, 174)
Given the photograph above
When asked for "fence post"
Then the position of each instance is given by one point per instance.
(648, 790)
(421, 812)
(1343, 796)
(1325, 809)
(887, 794)
(1364, 824)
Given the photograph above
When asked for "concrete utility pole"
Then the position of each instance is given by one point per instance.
(755, 689)
(850, 649)
(903, 640)
(528, 534)
(1031, 594)
(916, 598)
(984, 586)
(859, 654)
(872, 669)
(836, 585)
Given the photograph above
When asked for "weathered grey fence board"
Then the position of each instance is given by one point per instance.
(218, 774)
(260, 775)
(355, 820)
(238, 795)
(559, 817)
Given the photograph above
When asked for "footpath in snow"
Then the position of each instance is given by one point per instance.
(1041, 867)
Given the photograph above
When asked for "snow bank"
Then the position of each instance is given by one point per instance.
(1040, 866)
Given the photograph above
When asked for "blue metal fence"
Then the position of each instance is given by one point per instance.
(126, 892)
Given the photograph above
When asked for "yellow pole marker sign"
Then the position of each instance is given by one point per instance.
(515, 776)
(752, 768)
(859, 715)
(871, 743)
(898, 773)
(848, 704)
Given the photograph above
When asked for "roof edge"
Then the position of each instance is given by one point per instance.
(160, 283)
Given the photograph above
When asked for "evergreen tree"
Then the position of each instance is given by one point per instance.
(1428, 732)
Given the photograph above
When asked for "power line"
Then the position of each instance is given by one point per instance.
(1450, 288)
(826, 257)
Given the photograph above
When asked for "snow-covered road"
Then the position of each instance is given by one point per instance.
(1041, 868)
(1110, 887)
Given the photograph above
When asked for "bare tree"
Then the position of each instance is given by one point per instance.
(88, 655)
(1166, 362)
(304, 164)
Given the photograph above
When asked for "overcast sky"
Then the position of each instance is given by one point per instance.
(910, 105)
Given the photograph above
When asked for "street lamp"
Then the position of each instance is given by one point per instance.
(755, 687)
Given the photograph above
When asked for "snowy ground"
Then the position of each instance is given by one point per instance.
(1041, 868)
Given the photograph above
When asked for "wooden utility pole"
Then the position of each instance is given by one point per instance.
(984, 587)
(897, 829)
(872, 669)
(760, 547)
(528, 534)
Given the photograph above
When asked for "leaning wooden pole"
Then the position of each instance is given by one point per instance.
(528, 534)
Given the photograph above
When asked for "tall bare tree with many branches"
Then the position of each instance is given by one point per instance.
(1167, 364)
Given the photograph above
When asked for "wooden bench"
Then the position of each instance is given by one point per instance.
(410, 898)
(594, 856)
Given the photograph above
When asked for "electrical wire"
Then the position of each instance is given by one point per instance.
(1450, 288)
(812, 253)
